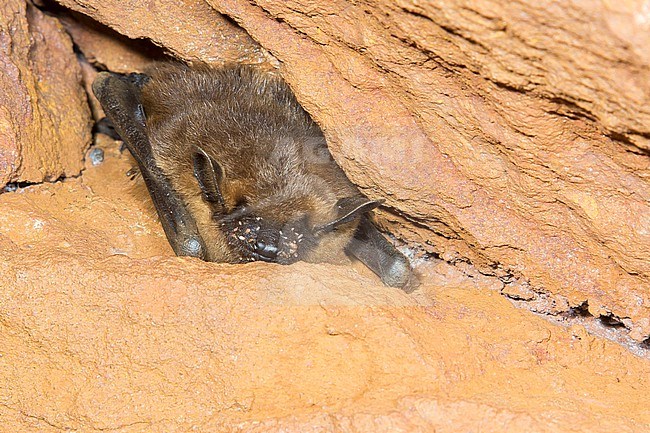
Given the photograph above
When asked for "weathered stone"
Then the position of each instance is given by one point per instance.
(44, 118)
(102, 328)
(88, 74)
(191, 30)
(108, 49)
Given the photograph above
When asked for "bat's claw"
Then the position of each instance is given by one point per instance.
(192, 247)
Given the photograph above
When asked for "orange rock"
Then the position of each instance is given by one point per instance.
(101, 327)
(44, 117)
(108, 49)
(190, 29)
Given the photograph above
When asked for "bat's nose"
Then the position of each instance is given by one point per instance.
(267, 247)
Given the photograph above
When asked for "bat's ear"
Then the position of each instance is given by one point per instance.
(209, 174)
(348, 209)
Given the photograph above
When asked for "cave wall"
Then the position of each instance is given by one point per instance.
(39, 140)
(513, 136)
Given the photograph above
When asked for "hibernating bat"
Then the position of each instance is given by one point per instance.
(238, 171)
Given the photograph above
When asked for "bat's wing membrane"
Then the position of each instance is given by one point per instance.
(120, 99)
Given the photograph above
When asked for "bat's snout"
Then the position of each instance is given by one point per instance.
(266, 246)
(252, 238)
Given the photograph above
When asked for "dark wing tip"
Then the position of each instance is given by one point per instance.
(100, 82)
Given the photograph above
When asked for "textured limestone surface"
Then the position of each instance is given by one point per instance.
(44, 117)
(188, 29)
(513, 135)
(107, 49)
(103, 329)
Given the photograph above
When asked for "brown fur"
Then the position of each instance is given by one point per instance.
(273, 156)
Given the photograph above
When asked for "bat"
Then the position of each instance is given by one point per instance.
(238, 171)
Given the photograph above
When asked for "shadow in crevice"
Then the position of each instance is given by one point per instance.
(581, 310)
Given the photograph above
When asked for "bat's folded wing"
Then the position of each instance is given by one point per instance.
(374, 250)
(120, 99)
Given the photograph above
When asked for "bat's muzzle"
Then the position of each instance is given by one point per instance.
(253, 239)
